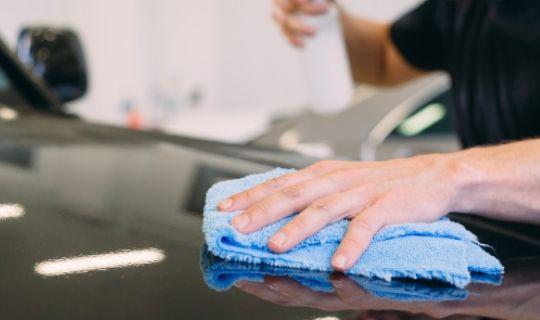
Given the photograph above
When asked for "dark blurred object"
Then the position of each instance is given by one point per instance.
(55, 55)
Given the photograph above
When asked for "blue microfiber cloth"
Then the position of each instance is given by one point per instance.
(441, 250)
(221, 275)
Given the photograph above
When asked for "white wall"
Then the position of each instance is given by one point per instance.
(139, 48)
(257, 69)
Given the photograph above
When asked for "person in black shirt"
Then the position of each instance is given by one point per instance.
(491, 50)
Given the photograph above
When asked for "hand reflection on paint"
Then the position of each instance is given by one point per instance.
(517, 298)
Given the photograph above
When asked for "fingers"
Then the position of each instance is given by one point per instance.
(293, 38)
(284, 12)
(346, 288)
(351, 293)
(249, 197)
(262, 291)
(301, 6)
(294, 29)
(289, 200)
(293, 26)
(358, 237)
(320, 213)
(292, 289)
(300, 295)
(292, 199)
(287, 292)
(282, 19)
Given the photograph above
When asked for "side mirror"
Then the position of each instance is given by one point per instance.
(56, 56)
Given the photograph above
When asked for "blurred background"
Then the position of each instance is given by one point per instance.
(221, 70)
(117, 116)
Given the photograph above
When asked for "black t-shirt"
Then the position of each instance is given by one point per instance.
(491, 49)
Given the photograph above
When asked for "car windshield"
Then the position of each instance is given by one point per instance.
(9, 95)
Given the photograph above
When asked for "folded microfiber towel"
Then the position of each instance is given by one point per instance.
(221, 275)
(441, 250)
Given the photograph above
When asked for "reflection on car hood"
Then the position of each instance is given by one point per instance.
(108, 223)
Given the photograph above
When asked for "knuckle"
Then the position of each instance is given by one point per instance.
(324, 205)
(296, 226)
(362, 225)
(338, 177)
(292, 192)
(261, 208)
(365, 192)
(276, 183)
(245, 196)
(352, 242)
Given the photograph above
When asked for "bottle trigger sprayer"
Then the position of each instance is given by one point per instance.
(329, 79)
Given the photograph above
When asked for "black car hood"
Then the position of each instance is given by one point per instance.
(89, 190)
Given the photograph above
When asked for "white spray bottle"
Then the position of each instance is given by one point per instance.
(329, 79)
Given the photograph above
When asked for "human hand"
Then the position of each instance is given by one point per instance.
(371, 194)
(517, 298)
(285, 291)
(347, 296)
(285, 13)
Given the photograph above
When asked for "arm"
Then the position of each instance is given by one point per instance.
(501, 182)
(373, 57)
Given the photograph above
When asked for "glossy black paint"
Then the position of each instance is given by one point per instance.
(90, 189)
(85, 194)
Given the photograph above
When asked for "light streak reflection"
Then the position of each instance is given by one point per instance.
(106, 261)
(11, 211)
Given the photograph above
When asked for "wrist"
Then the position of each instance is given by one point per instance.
(488, 181)
(468, 175)
(500, 182)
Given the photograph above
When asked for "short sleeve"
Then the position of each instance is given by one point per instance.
(419, 36)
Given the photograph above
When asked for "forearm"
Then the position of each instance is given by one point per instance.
(500, 182)
(372, 54)
(365, 46)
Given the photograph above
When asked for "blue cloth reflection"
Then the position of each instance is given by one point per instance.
(221, 275)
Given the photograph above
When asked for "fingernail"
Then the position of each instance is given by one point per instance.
(279, 239)
(240, 222)
(339, 261)
(225, 204)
